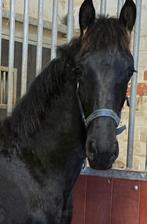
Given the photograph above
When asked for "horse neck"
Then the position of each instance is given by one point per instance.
(44, 107)
(62, 132)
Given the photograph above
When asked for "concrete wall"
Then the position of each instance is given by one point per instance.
(33, 15)
(33, 8)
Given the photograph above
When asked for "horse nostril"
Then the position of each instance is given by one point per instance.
(91, 149)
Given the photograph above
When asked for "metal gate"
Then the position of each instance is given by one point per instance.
(128, 173)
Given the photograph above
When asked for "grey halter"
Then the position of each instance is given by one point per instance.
(100, 113)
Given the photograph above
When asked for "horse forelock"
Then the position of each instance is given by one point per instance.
(106, 33)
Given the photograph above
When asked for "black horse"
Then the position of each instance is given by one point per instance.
(45, 141)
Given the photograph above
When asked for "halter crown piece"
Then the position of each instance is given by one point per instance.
(104, 112)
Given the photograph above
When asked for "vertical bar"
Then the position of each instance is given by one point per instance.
(70, 28)
(25, 48)
(4, 88)
(40, 36)
(54, 28)
(134, 86)
(14, 86)
(1, 87)
(1, 6)
(6, 96)
(119, 6)
(146, 156)
(103, 7)
(11, 56)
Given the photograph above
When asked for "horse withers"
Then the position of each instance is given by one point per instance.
(71, 111)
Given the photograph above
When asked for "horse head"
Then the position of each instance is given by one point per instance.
(106, 66)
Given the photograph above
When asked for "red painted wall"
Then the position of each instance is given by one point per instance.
(109, 201)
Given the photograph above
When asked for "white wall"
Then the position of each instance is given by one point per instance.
(33, 8)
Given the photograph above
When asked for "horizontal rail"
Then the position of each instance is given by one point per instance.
(6, 69)
(34, 22)
(4, 72)
(113, 173)
(32, 39)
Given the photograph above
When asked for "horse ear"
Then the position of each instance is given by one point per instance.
(86, 15)
(128, 15)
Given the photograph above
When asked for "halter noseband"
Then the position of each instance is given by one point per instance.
(100, 113)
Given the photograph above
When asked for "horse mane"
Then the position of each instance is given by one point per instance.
(106, 32)
(29, 114)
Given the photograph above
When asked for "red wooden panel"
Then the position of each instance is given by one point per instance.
(125, 202)
(79, 201)
(98, 201)
(143, 203)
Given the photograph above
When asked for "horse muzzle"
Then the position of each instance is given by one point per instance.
(101, 159)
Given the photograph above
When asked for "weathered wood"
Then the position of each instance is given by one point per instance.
(110, 201)
(4, 86)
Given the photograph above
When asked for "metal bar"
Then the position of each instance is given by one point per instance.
(40, 36)
(70, 28)
(119, 6)
(1, 87)
(134, 86)
(103, 7)
(14, 86)
(6, 95)
(1, 6)
(146, 156)
(54, 29)
(34, 22)
(119, 174)
(4, 88)
(11, 56)
(25, 48)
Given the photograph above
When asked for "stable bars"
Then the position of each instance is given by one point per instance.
(25, 48)
(11, 57)
(54, 28)
(1, 6)
(39, 36)
(131, 130)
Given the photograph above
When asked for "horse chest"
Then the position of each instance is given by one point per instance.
(23, 199)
